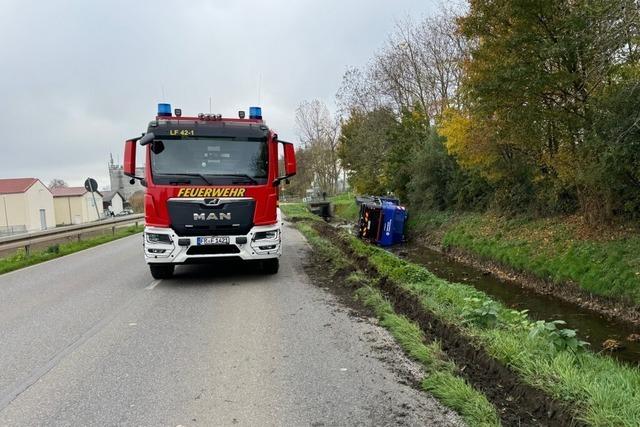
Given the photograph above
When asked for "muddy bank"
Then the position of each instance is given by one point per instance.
(517, 403)
(570, 292)
(592, 327)
(610, 334)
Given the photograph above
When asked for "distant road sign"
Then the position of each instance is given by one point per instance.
(91, 185)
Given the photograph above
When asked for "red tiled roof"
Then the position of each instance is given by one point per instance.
(68, 191)
(16, 185)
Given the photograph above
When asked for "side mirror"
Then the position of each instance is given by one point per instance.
(289, 159)
(130, 158)
(289, 162)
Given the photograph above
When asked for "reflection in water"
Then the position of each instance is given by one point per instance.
(591, 327)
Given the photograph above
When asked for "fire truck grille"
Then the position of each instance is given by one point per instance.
(204, 217)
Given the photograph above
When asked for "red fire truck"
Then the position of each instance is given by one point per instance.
(211, 189)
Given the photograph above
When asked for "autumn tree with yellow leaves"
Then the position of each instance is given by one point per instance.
(523, 106)
(538, 92)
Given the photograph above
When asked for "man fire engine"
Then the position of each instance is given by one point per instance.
(211, 189)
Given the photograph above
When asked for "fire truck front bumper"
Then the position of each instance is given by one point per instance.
(163, 245)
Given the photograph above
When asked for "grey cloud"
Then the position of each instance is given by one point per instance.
(78, 77)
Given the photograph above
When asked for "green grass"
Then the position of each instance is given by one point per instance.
(604, 262)
(553, 249)
(602, 390)
(21, 259)
(324, 247)
(345, 207)
(441, 379)
(297, 211)
(429, 222)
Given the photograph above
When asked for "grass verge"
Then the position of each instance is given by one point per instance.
(603, 262)
(441, 379)
(21, 259)
(296, 211)
(344, 206)
(602, 391)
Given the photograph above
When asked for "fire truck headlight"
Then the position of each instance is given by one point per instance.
(158, 238)
(266, 235)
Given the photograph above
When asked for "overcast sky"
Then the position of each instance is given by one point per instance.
(78, 77)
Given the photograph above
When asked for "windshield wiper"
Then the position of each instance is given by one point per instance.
(244, 176)
(195, 175)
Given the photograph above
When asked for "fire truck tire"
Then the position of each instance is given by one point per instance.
(271, 266)
(161, 271)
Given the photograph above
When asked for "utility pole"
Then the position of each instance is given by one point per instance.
(93, 194)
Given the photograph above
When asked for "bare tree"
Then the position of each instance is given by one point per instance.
(137, 201)
(357, 92)
(319, 133)
(57, 183)
(420, 66)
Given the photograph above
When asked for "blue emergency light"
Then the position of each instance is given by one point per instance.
(164, 110)
(255, 113)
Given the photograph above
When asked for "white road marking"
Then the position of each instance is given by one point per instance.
(152, 285)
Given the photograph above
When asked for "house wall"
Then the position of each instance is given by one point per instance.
(39, 197)
(13, 212)
(89, 208)
(21, 211)
(117, 204)
(68, 210)
(77, 209)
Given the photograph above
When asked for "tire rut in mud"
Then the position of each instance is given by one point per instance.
(517, 403)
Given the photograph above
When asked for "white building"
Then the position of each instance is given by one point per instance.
(113, 202)
(75, 205)
(26, 204)
(121, 183)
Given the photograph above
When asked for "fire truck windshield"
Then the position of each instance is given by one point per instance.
(209, 161)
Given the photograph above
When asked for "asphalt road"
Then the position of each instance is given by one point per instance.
(92, 339)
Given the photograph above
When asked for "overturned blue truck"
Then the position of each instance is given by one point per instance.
(382, 220)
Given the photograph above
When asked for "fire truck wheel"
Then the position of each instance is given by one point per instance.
(161, 271)
(270, 266)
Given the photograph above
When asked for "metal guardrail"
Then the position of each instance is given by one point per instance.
(39, 237)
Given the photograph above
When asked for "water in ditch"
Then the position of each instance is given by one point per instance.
(591, 327)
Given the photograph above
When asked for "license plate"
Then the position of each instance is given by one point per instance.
(213, 240)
